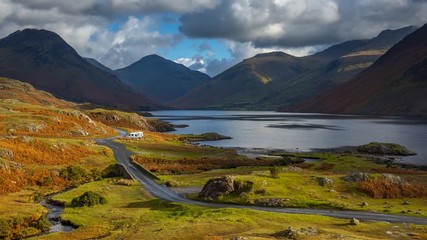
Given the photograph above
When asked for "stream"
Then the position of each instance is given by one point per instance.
(54, 215)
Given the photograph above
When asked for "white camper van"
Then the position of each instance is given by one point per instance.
(137, 135)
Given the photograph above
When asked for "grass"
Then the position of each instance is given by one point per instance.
(131, 214)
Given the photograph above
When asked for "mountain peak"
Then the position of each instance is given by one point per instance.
(273, 54)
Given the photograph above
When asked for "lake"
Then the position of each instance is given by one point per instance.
(302, 132)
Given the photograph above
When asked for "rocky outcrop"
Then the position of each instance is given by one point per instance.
(393, 178)
(217, 187)
(356, 177)
(292, 233)
(385, 149)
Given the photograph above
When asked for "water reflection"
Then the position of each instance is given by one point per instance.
(293, 131)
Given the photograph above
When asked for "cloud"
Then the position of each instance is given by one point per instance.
(288, 23)
(109, 8)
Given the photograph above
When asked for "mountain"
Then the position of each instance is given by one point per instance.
(101, 66)
(247, 83)
(274, 80)
(160, 79)
(396, 84)
(43, 59)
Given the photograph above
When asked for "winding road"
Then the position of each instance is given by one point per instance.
(162, 192)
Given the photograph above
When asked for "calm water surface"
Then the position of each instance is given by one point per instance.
(302, 132)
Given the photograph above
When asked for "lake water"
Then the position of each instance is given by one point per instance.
(302, 132)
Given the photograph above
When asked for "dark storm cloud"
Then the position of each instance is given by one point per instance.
(289, 23)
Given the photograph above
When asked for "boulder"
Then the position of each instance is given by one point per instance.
(354, 221)
(323, 181)
(356, 177)
(217, 187)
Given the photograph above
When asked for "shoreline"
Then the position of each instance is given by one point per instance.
(389, 160)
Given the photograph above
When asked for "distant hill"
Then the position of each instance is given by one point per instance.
(396, 84)
(45, 60)
(274, 80)
(160, 79)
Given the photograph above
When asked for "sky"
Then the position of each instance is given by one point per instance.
(207, 35)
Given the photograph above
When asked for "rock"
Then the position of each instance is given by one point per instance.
(356, 177)
(323, 181)
(217, 187)
(354, 221)
(393, 178)
(32, 127)
(385, 149)
(292, 233)
(406, 203)
(364, 204)
(289, 233)
(6, 153)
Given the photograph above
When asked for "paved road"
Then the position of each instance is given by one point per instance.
(122, 156)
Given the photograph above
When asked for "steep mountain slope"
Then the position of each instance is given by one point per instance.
(248, 83)
(160, 79)
(271, 81)
(396, 84)
(101, 66)
(45, 60)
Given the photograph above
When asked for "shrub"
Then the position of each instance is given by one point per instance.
(274, 172)
(73, 173)
(111, 171)
(384, 188)
(242, 186)
(41, 224)
(88, 199)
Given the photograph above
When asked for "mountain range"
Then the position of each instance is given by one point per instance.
(275, 80)
(396, 84)
(384, 75)
(43, 59)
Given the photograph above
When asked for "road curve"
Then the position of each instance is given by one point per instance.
(122, 156)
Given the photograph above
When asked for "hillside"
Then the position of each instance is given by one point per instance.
(396, 84)
(45, 60)
(273, 80)
(160, 79)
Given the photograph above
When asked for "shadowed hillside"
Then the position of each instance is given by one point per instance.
(396, 84)
(45, 60)
(160, 79)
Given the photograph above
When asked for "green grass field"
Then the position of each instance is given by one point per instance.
(131, 214)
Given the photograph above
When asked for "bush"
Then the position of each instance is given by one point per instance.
(88, 199)
(41, 224)
(384, 188)
(274, 172)
(242, 186)
(111, 171)
(73, 173)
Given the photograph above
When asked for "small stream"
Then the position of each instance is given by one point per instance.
(54, 215)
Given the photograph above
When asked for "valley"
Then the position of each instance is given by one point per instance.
(237, 120)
